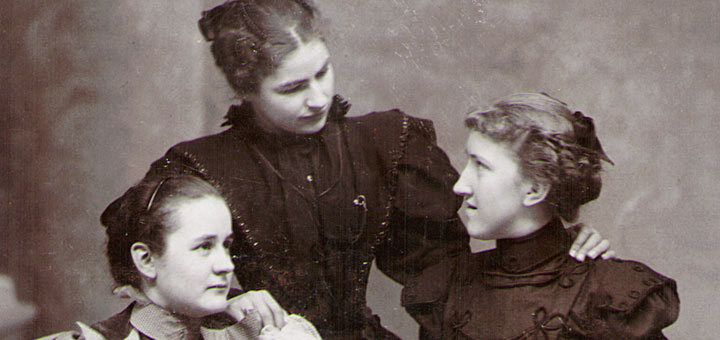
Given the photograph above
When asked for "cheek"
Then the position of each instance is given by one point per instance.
(186, 270)
(328, 83)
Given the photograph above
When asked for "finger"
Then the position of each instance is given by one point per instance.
(242, 305)
(585, 232)
(234, 309)
(589, 244)
(610, 254)
(267, 317)
(278, 312)
(602, 247)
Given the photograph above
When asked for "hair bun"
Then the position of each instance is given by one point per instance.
(110, 213)
(584, 130)
(211, 20)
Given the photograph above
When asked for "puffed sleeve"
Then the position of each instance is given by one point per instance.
(627, 300)
(86, 333)
(424, 227)
(424, 296)
(176, 161)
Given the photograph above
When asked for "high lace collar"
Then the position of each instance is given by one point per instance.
(524, 254)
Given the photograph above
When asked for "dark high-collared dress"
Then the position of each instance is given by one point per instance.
(529, 288)
(311, 213)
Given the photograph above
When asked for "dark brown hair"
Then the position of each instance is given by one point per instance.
(250, 37)
(555, 146)
(141, 215)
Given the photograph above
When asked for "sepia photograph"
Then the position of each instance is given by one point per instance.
(395, 169)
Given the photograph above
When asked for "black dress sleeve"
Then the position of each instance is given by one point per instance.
(424, 227)
(424, 297)
(626, 300)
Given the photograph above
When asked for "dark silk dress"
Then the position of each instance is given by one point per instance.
(529, 288)
(311, 213)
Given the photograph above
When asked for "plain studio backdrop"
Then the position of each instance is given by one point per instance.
(94, 91)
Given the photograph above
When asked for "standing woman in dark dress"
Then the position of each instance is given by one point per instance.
(318, 196)
(533, 163)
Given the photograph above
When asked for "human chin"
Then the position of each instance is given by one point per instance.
(214, 300)
(215, 303)
(480, 230)
(311, 124)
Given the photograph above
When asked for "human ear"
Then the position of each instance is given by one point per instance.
(536, 193)
(143, 259)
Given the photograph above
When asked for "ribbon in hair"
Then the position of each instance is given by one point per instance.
(210, 20)
(584, 130)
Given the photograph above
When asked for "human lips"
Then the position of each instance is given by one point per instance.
(221, 286)
(313, 115)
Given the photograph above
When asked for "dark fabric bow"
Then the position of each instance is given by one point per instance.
(212, 20)
(584, 130)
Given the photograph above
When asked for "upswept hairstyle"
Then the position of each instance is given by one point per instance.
(250, 37)
(141, 215)
(555, 146)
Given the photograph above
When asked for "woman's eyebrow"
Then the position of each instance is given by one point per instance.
(301, 81)
(291, 84)
(203, 238)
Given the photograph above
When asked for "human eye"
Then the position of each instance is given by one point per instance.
(204, 247)
(482, 165)
(477, 163)
(228, 242)
(322, 72)
(291, 89)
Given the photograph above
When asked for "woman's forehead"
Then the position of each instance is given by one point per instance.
(207, 214)
(303, 62)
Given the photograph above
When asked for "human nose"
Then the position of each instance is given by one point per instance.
(461, 187)
(223, 263)
(317, 98)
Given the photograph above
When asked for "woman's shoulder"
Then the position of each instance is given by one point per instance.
(224, 139)
(116, 327)
(433, 283)
(627, 283)
(392, 122)
(626, 299)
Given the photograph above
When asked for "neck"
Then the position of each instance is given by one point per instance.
(158, 322)
(520, 254)
(532, 220)
(151, 295)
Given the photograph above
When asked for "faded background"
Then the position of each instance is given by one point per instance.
(93, 91)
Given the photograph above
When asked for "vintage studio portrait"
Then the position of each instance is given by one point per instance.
(398, 169)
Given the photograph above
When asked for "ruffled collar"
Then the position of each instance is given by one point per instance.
(159, 323)
(241, 118)
(524, 254)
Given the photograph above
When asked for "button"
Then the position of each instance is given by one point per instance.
(309, 178)
(634, 294)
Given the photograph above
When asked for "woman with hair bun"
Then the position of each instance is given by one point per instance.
(319, 196)
(532, 164)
